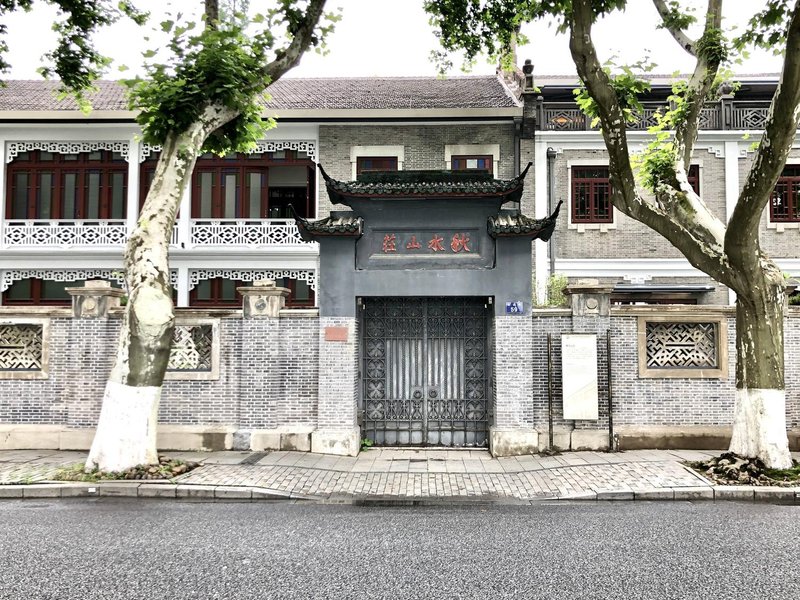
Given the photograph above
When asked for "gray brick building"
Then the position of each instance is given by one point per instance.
(281, 381)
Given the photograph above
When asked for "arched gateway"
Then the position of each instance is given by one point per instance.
(420, 286)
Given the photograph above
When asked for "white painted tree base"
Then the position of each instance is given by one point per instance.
(759, 427)
(126, 431)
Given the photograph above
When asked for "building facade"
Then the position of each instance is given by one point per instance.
(72, 186)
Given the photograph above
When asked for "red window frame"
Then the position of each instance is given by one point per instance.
(35, 296)
(784, 206)
(591, 195)
(217, 301)
(272, 199)
(34, 166)
(459, 163)
(693, 176)
(375, 164)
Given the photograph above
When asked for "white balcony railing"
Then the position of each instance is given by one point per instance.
(64, 234)
(254, 233)
(245, 232)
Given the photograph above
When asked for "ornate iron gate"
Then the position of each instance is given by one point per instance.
(425, 371)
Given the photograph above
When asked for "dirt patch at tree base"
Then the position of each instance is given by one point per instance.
(731, 469)
(166, 468)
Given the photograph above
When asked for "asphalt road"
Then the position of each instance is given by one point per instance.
(114, 548)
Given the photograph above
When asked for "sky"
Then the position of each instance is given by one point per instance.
(393, 38)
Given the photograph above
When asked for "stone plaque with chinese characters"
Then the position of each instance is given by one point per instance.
(422, 247)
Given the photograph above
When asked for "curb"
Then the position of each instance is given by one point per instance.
(227, 493)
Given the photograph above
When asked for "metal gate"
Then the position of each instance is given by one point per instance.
(425, 371)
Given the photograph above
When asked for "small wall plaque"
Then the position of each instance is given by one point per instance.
(336, 334)
(515, 308)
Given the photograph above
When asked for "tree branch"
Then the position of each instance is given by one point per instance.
(212, 13)
(779, 133)
(681, 218)
(288, 58)
(680, 36)
(700, 83)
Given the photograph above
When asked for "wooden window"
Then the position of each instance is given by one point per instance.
(248, 186)
(591, 195)
(39, 292)
(471, 163)
(370, 164)
(85, 186)
(784, 206)
(221, 293)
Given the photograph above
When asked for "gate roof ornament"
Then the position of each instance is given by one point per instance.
(427, 185)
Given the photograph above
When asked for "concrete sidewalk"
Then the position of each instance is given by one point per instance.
(398, 475)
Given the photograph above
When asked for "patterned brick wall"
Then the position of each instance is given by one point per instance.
(271, 370)
(268, 377)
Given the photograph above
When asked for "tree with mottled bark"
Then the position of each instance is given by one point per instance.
(206, 97)
(730, 253)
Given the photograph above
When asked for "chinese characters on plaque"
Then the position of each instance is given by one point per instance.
(458, 242)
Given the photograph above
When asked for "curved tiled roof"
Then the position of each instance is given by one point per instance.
(358, 93)
(347, 225)
(415, 184)
(518, 225)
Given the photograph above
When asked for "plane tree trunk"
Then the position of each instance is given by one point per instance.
(126, 431)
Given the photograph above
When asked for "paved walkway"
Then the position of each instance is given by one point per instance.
(389, 474)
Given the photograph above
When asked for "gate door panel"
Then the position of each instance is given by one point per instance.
(425, 371)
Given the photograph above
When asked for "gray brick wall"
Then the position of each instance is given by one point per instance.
(512, 372)
(776, 245)
(338, 375)
(268, 377)
(630, 239)
(271, 371)
(424, 147)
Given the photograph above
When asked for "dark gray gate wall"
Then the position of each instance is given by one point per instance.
(346, 274)
(494, 271)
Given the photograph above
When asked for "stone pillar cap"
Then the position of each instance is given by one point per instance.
(95, 288)
(589, 286)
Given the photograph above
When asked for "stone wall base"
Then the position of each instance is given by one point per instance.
(513, 442)
(343, 442)
(637, 437)
(297, 439)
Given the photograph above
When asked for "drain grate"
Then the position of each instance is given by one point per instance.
(253, 458)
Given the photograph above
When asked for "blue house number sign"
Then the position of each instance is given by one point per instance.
(514, 308)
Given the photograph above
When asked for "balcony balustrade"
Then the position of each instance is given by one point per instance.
(63, 234)
(253, 233)
(245, 232)
(725, 114)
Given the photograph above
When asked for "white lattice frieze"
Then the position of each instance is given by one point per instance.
(251, 275)
(145, 150)
(66, 275)
(15, 148)
(307, 146)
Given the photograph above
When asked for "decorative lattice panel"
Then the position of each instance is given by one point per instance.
(192, 348)
(250, 275)
(682, 345)
(307, 146)
(20, 347)
(13, 149)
